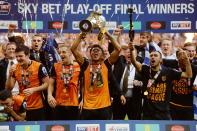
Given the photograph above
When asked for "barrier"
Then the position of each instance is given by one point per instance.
(100, 125)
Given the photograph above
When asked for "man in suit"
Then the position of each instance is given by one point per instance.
(37, 42)
(43, 50)
(5, 64)
(126, 75)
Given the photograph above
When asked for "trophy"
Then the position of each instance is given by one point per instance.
(94, 21)
(13, 36)
(11, 30)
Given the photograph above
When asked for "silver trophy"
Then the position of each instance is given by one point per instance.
(94, 21)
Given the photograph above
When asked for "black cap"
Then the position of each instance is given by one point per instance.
(4, 94)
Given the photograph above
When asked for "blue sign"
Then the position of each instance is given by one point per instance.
(100, 125)
(169, 16)
(147, 127)
(27, 128)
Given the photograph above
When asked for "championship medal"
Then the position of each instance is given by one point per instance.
(146, 93)
(91, 88)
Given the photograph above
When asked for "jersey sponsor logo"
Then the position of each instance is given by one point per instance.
(181, 25)
(177, 128)
(57, 25)
(147, 127)
(44, 71)
(117, 127)
(57, 128)
(5, 8)
(4, 24)
(87, 127)
(181, 87)
(155, 25)
(157, 92)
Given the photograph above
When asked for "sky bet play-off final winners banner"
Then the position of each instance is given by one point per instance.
(63, 16)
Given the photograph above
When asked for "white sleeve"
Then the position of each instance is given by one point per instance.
(195, 81)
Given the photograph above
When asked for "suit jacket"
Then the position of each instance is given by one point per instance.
(118, 71)
(3, 72)
(41, 54)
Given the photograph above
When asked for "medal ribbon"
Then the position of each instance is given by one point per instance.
(94, 74)
(66, 76)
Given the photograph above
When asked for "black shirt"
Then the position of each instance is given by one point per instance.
(156, 104)
(182, 90)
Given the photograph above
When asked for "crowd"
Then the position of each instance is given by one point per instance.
(149, 78)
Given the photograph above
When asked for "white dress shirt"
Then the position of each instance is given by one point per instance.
(15, 90)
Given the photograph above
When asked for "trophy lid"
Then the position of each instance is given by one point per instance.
(85, 26)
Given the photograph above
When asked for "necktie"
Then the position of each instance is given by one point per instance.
(125, 80)
(8, 68)
(37, 56)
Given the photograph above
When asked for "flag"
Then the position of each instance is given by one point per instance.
(150, 47)
(50, 52)
(195, 104)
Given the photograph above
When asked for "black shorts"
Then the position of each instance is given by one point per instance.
(96, 114)
(35, 115)
(66, 113)
(181, 113)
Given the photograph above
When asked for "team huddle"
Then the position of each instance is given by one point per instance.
(149, 81)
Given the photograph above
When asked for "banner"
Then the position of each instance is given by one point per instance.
(100, 125)
(63, 16)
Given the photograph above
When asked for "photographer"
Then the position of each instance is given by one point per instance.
(12, 108)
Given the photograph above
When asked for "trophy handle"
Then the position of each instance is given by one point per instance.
(101, 33)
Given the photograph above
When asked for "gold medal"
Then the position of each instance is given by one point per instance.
(146, 93)
(64, 90)
(91, 88)
(67, 95)
(99, 85)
